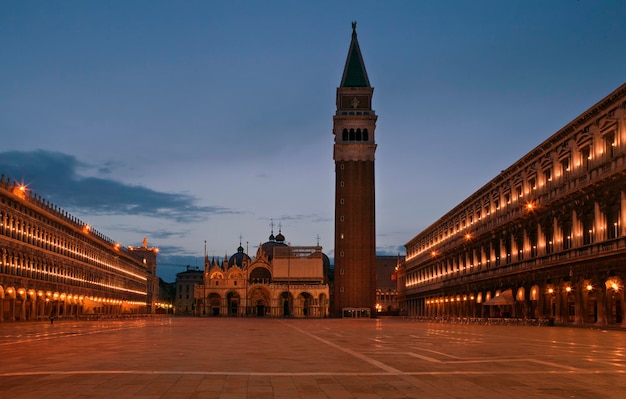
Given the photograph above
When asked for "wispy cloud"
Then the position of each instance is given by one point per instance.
(302, 217)
(158, 234)
(55, 176)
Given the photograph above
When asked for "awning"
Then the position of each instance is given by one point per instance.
(505, 298)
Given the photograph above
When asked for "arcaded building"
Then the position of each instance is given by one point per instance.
(54, 265)
(544, 240)
(387, 285)
(354, 124)
(281, 280)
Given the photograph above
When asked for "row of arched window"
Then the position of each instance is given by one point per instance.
(561, 169)
(355, 135)
(573, 228)
(17, 264)
(65, 242)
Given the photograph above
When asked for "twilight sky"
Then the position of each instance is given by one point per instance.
(200, 120)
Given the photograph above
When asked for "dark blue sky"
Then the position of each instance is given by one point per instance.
(197, 120)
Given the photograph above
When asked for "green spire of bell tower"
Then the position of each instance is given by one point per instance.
(354, 73)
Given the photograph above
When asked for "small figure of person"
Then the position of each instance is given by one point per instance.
(51, 319)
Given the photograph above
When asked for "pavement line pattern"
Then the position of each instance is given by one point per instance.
(358, 355)
(312, 373)
(488, 360)
(47, 336)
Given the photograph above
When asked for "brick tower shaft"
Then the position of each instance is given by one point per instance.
(354, 125)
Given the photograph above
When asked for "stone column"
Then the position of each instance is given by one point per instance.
(11, 309)
(33, 307)
(622, 223)
(557, 236)
(623, 301)
(575, 233)
(541, 302)
(599, 220)
(601, 305)
(579, 316)
(23, 310)
(564, 305)
(524, 307)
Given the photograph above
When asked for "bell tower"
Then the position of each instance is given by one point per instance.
(354, 124)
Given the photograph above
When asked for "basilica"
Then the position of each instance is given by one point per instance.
(281, 280)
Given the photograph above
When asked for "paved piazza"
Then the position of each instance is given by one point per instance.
(289, 358)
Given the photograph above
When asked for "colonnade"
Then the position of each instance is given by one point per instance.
(575, 301)
(21, 304)
(260, 302)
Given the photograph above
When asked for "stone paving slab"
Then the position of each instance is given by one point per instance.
(174, 358)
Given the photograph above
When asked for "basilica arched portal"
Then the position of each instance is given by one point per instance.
(260, 301)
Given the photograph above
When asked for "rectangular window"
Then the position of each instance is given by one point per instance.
(547, 176)
(609, 145)
(565, 167)
(585, 157)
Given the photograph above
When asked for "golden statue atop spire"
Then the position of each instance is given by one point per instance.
(145, 242)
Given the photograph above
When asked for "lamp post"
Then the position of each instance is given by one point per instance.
(204, 275)
(289, 279)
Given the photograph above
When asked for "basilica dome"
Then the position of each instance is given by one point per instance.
(268, 247)
(238, 258)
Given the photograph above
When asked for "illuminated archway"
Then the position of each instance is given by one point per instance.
(259, 298)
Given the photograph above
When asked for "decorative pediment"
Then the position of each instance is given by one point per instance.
(564, 152)
(546, 162)
(583, 139)
(608, 125)
(531, 170)
(260, 255)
